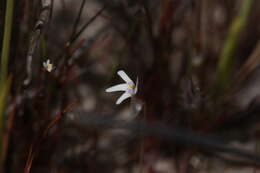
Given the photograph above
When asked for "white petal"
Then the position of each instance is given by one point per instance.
(48, 61)
(44, 64)
(120, 87)
(49, 69)
(124, 76)
(122, 98)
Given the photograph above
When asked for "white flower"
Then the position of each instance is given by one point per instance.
(129, 88)
(48, 66)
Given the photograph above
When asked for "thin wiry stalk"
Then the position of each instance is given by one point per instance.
(77, 19)
(77, 34)
(34, 149)
(87, 24)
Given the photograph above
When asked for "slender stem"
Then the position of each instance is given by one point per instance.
(6, 40)
(86, 25)
(35, 37)
(3, 95)
(75, 26)
(4, 82)
(226, 57)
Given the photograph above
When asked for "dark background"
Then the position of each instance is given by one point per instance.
(197, 115)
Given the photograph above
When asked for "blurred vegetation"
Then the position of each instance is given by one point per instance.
(198, 68)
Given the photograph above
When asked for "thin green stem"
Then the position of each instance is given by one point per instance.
(227, 54)
(4, 82)
(6, 40)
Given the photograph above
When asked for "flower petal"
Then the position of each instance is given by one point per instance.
(124, 76)
(120, 87)
(49, 67)
(122, 98)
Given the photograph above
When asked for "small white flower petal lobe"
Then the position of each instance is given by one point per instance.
(122, 98)
(48, 61)
(124, 76)
(120, 87)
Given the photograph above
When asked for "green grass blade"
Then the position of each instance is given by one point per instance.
(4, 82)
(227, 54)
(6, 40)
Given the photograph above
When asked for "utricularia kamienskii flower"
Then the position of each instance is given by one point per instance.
(48, 66)
(129, 88)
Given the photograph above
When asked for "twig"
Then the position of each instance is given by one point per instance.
(35, 147)
(74, 29)
(73, 38)
(35, 38)
(86, 25)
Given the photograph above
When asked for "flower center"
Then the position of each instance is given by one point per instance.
(49, 67)
(131, 86)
